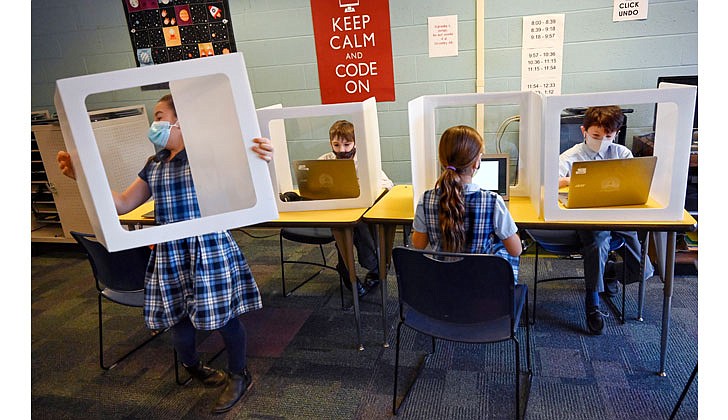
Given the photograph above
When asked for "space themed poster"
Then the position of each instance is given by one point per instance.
(163, 31)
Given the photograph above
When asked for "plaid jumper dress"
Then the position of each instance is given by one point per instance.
(206, 277)
(480, 237)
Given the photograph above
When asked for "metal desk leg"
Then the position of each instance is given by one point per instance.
(345, 243)
(386, 241)
(667, 298)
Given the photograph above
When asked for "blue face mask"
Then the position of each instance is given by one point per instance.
(159, 133)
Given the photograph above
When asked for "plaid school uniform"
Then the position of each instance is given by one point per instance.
(480, 237)
(204, 277)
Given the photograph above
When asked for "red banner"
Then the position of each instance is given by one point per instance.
(354, 50)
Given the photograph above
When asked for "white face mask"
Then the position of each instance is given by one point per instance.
(598, 146)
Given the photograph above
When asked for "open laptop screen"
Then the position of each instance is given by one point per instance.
(493, 174)
(326, 179)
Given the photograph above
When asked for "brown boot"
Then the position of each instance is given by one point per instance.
(236, 386)
(206, 375)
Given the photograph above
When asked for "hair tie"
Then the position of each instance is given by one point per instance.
(452, 168)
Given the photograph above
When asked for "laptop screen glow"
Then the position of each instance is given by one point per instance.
(493, 174)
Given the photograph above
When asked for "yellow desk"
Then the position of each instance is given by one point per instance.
(135, 218)
(340, 221)
(396, 208)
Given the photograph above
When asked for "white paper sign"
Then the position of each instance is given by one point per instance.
(629, 10)
(443, 36)
(542, 53)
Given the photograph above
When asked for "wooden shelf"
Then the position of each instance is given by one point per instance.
(686, 257)
(49, 233)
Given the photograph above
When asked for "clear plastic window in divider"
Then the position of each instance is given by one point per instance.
(303, 178)
(509, 123)
(534, 130)
(664, 115)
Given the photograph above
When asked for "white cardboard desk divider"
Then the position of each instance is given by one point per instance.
(277, 134)
(673, 135)
(218, 120)
(423, 143)
(366, 130)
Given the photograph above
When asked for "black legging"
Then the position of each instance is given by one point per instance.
(233, 334)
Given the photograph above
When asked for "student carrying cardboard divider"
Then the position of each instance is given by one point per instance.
(203, 282)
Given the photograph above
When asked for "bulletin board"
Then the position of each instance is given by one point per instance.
(163, 31)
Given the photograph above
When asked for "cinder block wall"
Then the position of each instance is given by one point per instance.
(78, 37)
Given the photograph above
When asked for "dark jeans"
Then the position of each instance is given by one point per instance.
(595, 251)
(366, 250)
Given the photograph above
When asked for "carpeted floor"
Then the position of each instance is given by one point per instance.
(302, 353)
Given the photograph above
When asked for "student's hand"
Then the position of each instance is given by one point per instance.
(65, 165)
(263, 148)
(564, 181)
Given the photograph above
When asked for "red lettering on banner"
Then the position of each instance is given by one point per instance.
(354, 50)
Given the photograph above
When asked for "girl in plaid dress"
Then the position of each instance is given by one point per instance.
(202, 282)
(457, 216)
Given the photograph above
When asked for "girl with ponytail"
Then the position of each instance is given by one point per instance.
(458, 216)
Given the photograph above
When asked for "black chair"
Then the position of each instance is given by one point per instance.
(119, 278)
(468, 298)
(566, 244)
(312, 236)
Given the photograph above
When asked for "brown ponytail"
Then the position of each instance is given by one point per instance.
(459, 147)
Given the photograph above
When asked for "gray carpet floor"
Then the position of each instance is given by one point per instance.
(302, 353)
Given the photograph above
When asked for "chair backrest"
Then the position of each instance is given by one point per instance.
(120, 271)
(455, 287)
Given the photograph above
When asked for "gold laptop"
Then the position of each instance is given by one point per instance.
(326, 179)
(613, 182)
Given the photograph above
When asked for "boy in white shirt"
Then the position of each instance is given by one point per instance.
(601, 126)
(343, 146)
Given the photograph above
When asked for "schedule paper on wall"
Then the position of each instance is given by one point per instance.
(542, 53)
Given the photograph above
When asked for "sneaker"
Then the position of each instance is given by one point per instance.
(237, 385)
(362, 288)
(595, 320)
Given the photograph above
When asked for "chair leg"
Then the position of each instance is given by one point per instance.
(287, 293)
(396, 369)
(176, 371)
(535, 284)
(189, 378)
(518, 376)
(528, 340)
(419, 368)
(283, 268)
(341, 281)
(624, 284)
(684, 392)
(643, 285)
(101, 342)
